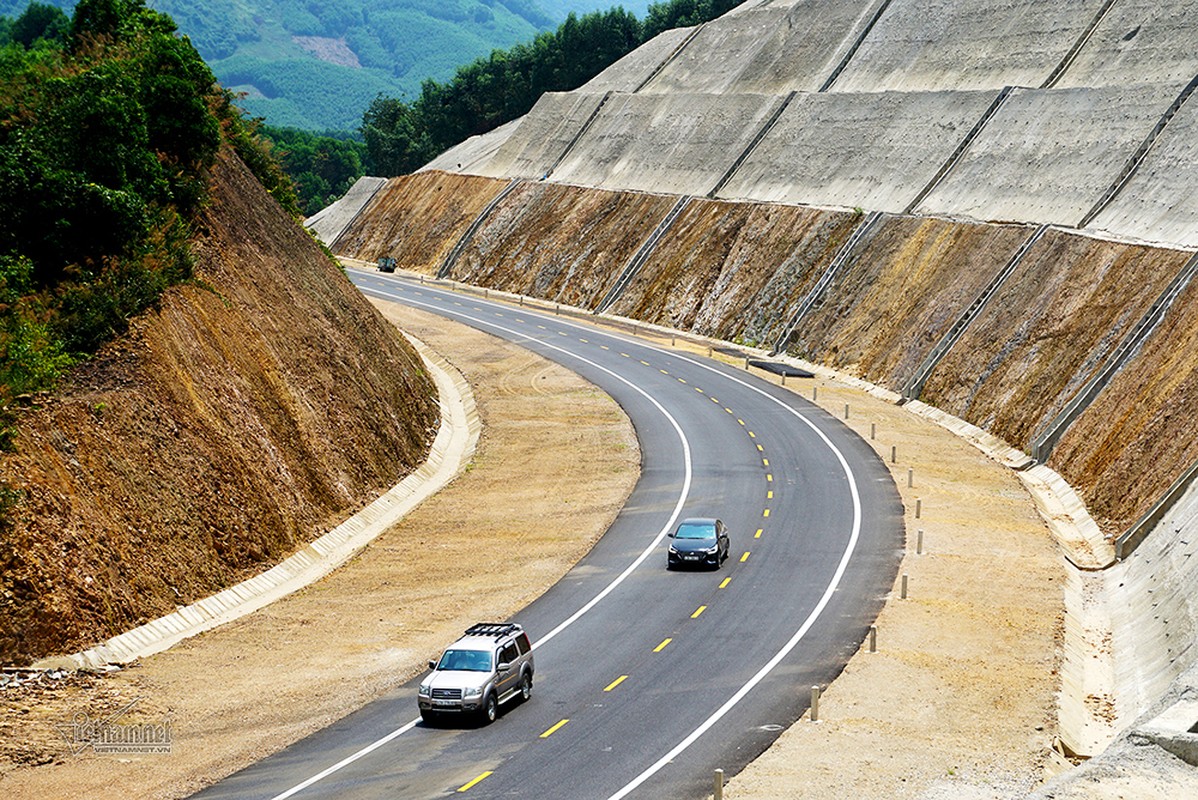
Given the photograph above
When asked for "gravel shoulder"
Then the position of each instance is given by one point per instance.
(958, 702)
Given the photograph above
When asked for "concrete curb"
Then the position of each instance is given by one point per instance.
(451, 451)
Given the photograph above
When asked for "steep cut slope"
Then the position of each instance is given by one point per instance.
(254, 409)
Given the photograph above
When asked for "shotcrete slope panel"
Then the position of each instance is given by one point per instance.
(330, 221)
(1148, 41)
(872, 150)
(627, 74)
(1049, 155)
(675, 143)
(772, 49)
(1160, 202)
(735, 270)
(1137, 437)
(904, 288)
(560, 243)
(417, 219)
(966, 44)
(543, 135)
(1047, 330)
(473, 155)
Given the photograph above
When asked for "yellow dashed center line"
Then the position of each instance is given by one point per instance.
(604, 347)
(554, 729)
(697, 389)
(542, 327)
(766, 513)
(758, 534)
(728, 409)
(760, 449)
(714, 400)
(663, 372)
(616, 683)
(752, 435)
(680, 380)
(625, 355)
(699, 611)
(584, 341)
(662, 646)
(745, 557)
(769, 478)
(476, 781)
(769, 495)
(724, 583)
(765, 462)
(741, 421)
(646, 363)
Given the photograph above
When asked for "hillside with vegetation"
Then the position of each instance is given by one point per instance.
(316, 66)
(173, 416)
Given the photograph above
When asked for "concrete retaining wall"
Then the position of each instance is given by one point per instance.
(474, 155)
(773, 48)
(1049, 155)
(876, 151)
(627, 74)
(966, 44)
(542, 136)
(734, 270)
(1160, 203)
(1148, 41)
(676, 143)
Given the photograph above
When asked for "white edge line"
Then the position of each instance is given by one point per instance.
(653, 545)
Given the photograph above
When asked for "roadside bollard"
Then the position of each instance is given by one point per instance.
(903, 591)
(846, 410)
(873, 430)
(910, 477)
(873, 638)
(815, 704)
(814, 393)
(919, 542)
(717, 788)
(893, 453)
(918, 508)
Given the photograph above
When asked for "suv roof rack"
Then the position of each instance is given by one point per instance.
(492, 628)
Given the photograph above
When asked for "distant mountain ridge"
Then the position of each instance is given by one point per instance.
(317, 64)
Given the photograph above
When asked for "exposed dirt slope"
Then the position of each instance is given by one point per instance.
(1130, 445)
(250, 413)
(418, 218)
(903, 289)
(560, 243)
(1047, 330)
(734, 270)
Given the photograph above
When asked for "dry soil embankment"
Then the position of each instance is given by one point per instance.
(210, 442)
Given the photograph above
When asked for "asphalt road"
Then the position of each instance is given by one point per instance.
(647, 680)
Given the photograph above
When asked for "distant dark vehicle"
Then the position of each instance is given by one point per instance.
(698, 540)
(386, 264)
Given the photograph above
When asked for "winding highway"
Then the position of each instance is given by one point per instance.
(647, 680)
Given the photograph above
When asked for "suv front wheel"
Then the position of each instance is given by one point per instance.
(490, 709)
(525, 688)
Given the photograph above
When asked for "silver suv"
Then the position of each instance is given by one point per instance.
(490, 665)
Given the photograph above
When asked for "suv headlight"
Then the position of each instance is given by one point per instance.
(425, 690)
(473, 692)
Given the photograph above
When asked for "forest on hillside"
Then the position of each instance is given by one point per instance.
(109, 123)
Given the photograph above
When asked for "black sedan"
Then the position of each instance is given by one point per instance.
(696, 541)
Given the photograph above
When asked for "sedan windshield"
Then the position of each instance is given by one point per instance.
(695, 532)
(466, 660)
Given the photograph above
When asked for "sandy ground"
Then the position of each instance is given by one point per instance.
(958, 702)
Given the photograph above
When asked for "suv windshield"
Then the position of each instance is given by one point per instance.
(695, 532)
(466, 660)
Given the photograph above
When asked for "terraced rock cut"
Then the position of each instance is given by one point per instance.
(417, 219)
(735, 270)
(542, 136)
(632, 71)
(1141, 40)
(1047, 330)
(559, 243)
(904, 287)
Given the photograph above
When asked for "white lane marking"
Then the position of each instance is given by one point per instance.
(682, 496)
(850, 548)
